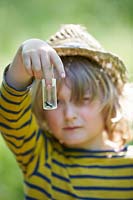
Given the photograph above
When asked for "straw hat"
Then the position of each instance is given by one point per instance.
(73, 40)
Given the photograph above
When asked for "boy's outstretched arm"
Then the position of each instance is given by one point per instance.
(17, 124)
(33, 60)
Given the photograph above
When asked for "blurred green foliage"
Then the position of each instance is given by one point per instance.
(11, 181)
(110, 21)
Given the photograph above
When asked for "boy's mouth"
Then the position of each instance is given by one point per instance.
(71, 128)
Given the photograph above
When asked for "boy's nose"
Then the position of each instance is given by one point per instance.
(70, 112)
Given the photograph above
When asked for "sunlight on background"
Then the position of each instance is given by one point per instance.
(110, 21)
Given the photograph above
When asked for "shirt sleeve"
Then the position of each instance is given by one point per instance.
(18, 125)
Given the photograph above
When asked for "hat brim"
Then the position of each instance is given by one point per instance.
(110, 63)
(98, 56)
(105, 59)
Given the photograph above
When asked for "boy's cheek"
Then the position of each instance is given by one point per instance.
(54, 122)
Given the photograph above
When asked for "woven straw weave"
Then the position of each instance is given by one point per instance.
(72, 40)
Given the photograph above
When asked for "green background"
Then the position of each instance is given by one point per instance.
(110, 21)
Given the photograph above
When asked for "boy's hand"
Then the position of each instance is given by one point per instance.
(34, 58)
(38, 58)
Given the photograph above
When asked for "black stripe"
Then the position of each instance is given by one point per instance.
(14, 136)
(16, 95)
(38, 134)
(64, 191)
(16, 120)
(92, 166)
(30, 137)
(91, 151)
(93, 156)
(27, 163)
(29, 198)
(60, 177)
(42, 176)
(104, 188)
(47, 165)
(9, 101)
(11, 143)
(10, 111)
(101, 177)
(10, 128)
(37, 165)
(35, 187)
(29, 151)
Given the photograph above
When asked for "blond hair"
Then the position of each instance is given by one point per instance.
(84, 74)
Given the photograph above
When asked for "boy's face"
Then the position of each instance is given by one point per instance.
(76, 125)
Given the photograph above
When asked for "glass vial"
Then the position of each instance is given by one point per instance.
(49, 95)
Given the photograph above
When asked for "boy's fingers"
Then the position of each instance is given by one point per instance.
(32, 64)
(35, 61)
(56, 61)
(27, 63)
(38, 74)
(46, 67)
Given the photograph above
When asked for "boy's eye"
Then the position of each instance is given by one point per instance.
(86, 99)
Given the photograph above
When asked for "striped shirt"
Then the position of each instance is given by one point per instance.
(54, 172)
